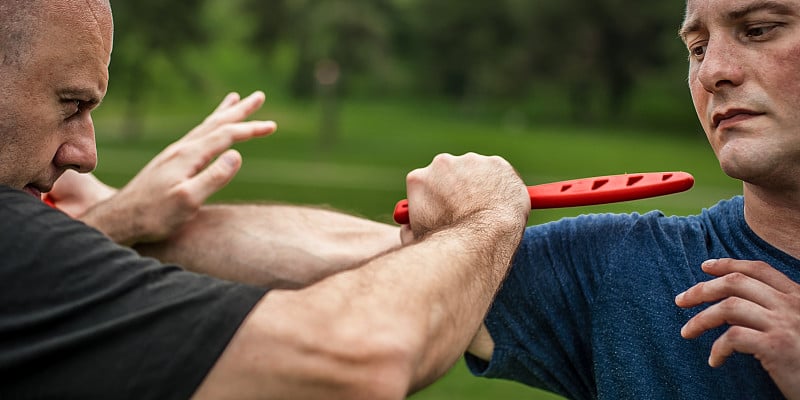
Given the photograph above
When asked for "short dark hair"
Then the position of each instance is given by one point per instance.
(19, 22)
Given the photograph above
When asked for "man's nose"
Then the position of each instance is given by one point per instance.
(79, 151)
(721, 66)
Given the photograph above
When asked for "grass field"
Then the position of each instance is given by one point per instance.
(379, 142)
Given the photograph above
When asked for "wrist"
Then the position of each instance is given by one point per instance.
(113, 222)
(494, 223)
(494, 236)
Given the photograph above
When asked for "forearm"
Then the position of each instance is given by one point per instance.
(457, 303)
(379, 331)
(273, 245)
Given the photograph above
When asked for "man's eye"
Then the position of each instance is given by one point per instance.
(697, 51)
(759, 31)
(72, 107)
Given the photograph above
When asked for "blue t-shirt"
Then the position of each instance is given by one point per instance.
(588, 308)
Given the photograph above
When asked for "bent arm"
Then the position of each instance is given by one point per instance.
(401, 320)
(273, 245)
(379, 331)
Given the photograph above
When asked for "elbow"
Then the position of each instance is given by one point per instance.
(381, 365)
(351, 356)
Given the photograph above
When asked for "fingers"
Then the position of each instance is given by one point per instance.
(750, 280)
(759, 304)
(229, 100)
(734, 284)
(743, 291)
(731, 311)
(758, 270)
(735, 339)
(214, 177)
(239, 132)
(209, 146)
(194, 154)
(238, 111)
(231, 110)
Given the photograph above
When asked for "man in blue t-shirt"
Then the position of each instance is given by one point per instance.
(631, 306)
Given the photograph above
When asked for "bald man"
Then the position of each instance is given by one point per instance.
(83, 317)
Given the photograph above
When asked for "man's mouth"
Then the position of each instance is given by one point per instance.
(732, 116)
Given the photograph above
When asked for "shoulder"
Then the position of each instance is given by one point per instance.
(604, 236)
(15, 201)
(592, 226)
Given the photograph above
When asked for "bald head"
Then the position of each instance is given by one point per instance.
(21, 20)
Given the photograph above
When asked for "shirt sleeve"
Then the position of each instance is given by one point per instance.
(540, 321)
(81, 317)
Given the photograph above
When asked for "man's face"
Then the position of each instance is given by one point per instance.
(744, 76)
(45, 122)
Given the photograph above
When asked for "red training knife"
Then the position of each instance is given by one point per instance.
(591, 191)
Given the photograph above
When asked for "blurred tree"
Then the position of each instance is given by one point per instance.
(334, 40)
(469, 48)
(600, 45)
(271, 23)
(505, 48)
(630, 42)
(145, 30)
(581, 50)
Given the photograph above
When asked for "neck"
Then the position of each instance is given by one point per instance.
(775, 217)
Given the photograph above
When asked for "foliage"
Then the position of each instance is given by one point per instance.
(598, 53)
(144, 31)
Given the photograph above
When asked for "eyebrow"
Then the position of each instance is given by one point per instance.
(694, 25)
(88, 95)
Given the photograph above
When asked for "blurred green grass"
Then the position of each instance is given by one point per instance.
(380, 141)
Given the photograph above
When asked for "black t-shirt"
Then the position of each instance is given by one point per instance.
(84, 318)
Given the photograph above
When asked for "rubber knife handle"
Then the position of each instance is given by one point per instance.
(591, 191)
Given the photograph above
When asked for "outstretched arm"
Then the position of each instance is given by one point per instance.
(273, 245)
(401, 320)
(762, 307)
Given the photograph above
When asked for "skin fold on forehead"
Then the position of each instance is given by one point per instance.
(733, 9)
(94, 13)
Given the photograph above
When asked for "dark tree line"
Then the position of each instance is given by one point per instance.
(452, 48)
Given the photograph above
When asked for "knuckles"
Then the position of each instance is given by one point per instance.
(731, 305)
(733, 281)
